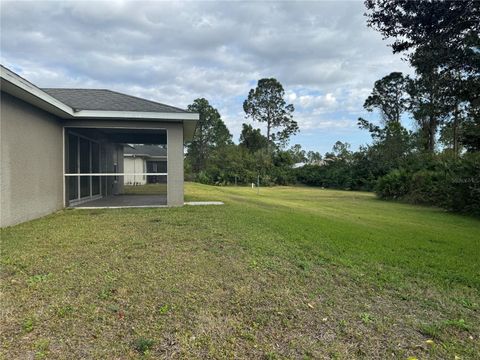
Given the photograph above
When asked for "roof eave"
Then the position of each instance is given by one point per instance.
(135, 115)
(19, 87)
(189, 120)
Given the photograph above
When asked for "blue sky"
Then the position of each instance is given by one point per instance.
(173, 52)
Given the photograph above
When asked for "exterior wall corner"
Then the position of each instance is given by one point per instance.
(175, 195)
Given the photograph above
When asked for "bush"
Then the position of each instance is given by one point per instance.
(462, 190)
(202, 177)
(282, 176)
(425, 187)
(453, 184)
(394, 185)
(310, 175)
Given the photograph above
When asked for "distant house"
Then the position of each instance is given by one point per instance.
(141, 159)
(316, 162)
(298, 165)
(65, 147)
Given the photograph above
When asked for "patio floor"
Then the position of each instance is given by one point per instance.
(123, 201)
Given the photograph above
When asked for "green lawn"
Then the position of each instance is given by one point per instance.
(294, 272)
(147, 189)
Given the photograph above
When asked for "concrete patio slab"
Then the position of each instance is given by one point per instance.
(201, 203)
(124, 201)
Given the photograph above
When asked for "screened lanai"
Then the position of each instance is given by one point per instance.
(96, 174)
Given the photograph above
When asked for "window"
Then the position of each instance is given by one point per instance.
(95, 168)
(83, 157)
(85, 167)
(156, 167)
(72, 167)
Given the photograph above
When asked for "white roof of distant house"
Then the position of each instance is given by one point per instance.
(316, 162)
(298, 165)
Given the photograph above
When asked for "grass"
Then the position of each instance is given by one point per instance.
(294, 272)
(147, 189)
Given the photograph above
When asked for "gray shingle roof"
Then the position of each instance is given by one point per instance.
(107, 100)
(149, 150)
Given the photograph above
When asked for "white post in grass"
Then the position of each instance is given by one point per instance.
(258, 184)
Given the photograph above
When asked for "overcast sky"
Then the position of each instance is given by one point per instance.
(322, 52)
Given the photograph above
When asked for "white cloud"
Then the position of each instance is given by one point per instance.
(313, 122)
(315, 101)
(173, 52)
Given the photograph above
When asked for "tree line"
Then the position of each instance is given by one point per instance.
(213, 157)
(438, 162)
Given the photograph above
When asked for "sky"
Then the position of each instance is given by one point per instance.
(322, 52)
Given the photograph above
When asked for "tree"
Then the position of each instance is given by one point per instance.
(252, 139)
(442, 33)
(390, 98)
(341, 150)
(266, 104)
(314, 157)
(428, 107)
(210, 133)
(297, 154)
(456, 113)
(471, 131)
(441, 41)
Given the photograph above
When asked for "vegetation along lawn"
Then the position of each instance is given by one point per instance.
(147, 189)
(294, 272)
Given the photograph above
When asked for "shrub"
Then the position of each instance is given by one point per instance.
(463, 186)
(394, 185)
(203, 178)
(282, 176)
(453, 184)
(425, 187)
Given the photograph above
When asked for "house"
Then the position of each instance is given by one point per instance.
(65, 147)
(141, 159)
(320, 162)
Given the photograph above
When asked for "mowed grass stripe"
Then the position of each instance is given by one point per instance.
(294, 272)
(364, 231)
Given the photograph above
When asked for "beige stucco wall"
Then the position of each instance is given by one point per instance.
(175, 165)
(31, 170)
